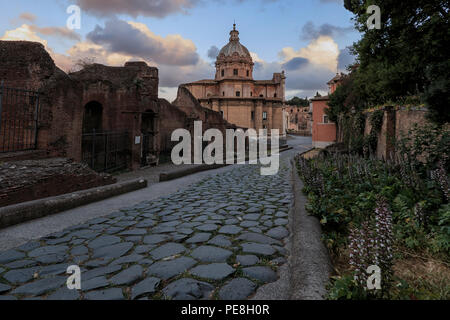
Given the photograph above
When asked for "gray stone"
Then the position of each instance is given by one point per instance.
(102, 271)
(51, 258)
(20, 276)
(64, 294)
(257, 248)
(247, 260)
(94, 283)
(156, 238)
(7, 298)
(168, 269)
(207, 227)
(213, 271)
(252, 216)
(278, 261)
(221, 241)
(248, 224)
(263, 274)
(188, 289)
(132, 258)
(11, 255)
(48, 250)
(114, 251)
(29, 246)
(79, 251)
(144, 249)
(54, 269)
(128, 276)
(211, 254)
(230, 230)
(133, 232)
(147, 286)
(199, 237)
(21, 264)
(237, 289)
(257, 237)
(108, 294)
(4, 288)
(167, 250)
(40, 287)
(281, 222)
(103, 241)
(278, 233)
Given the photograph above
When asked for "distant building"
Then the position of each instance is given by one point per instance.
(299, 120)
(243, 101)
(323, 130)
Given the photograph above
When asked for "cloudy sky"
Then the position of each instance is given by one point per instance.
(309, 39)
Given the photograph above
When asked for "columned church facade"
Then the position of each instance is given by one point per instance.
(243, 101)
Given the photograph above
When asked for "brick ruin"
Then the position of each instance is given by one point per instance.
(100, 99)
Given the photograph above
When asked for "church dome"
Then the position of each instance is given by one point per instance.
(234, 46)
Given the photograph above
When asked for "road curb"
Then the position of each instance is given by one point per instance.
(309, 262)
(25, 211)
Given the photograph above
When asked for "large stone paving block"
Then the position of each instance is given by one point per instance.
(108, 294)
(48, 250)
(114, 251)
(156, 238)
(10, 255)
(257, 237)
(278, 233)
(188, 289)
(20, 276)
(257, 248)
(213, 271)
(237, 289)
(128, 276)
(211, 254)
(167, 250)
(147, 286)
(168, 269)
(40, 287)
(264, 274)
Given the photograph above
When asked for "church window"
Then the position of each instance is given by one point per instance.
(253, 115)
(248, 73)
(238, 93)
(223, 72)
(275, 95)
(264, 115)
(235, 72)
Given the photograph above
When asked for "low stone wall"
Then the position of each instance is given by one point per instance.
(397, 121)
(28, 180)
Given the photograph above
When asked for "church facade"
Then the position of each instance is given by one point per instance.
(243, 101)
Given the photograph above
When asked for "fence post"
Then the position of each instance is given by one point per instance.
(1, 96)
(93, 150)
(36, 121)
(105, 167)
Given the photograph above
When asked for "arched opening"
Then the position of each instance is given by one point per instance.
(93, 117)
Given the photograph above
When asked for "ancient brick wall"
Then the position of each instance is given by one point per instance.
(29, 180)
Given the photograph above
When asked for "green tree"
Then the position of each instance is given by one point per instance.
(407, 57)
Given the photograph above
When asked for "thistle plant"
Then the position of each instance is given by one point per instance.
(371, 244)
(440, 177)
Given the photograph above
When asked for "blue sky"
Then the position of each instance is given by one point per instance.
(112, 31)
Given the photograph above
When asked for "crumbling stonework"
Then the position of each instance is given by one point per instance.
(22, 181)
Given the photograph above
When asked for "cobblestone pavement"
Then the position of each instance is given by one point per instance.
(221, 238)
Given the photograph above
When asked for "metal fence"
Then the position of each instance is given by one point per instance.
(19, 114)
(106, 151)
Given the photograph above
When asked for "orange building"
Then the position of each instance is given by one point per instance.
(324, 131)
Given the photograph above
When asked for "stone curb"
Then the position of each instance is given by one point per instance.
(310, 264)
(167, 176)
(25, 211)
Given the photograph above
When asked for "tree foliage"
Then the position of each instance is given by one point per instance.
(299, 102)
(407, 57)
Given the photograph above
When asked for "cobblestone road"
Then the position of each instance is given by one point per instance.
(221, 238)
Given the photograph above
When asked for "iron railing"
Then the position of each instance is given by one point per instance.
(106, 151)
(19, 114)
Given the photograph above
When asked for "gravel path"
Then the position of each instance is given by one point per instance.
(221, 238)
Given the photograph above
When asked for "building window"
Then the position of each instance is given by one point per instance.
(235, 72)
(261, 96)
(238, 93)
(251, 94)
(223, 93)
(264, 115)
(264, 127)
(253, 115)
(221, 112)
(248, 73)
(325, 119)
(223, 72)
(275, 95)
